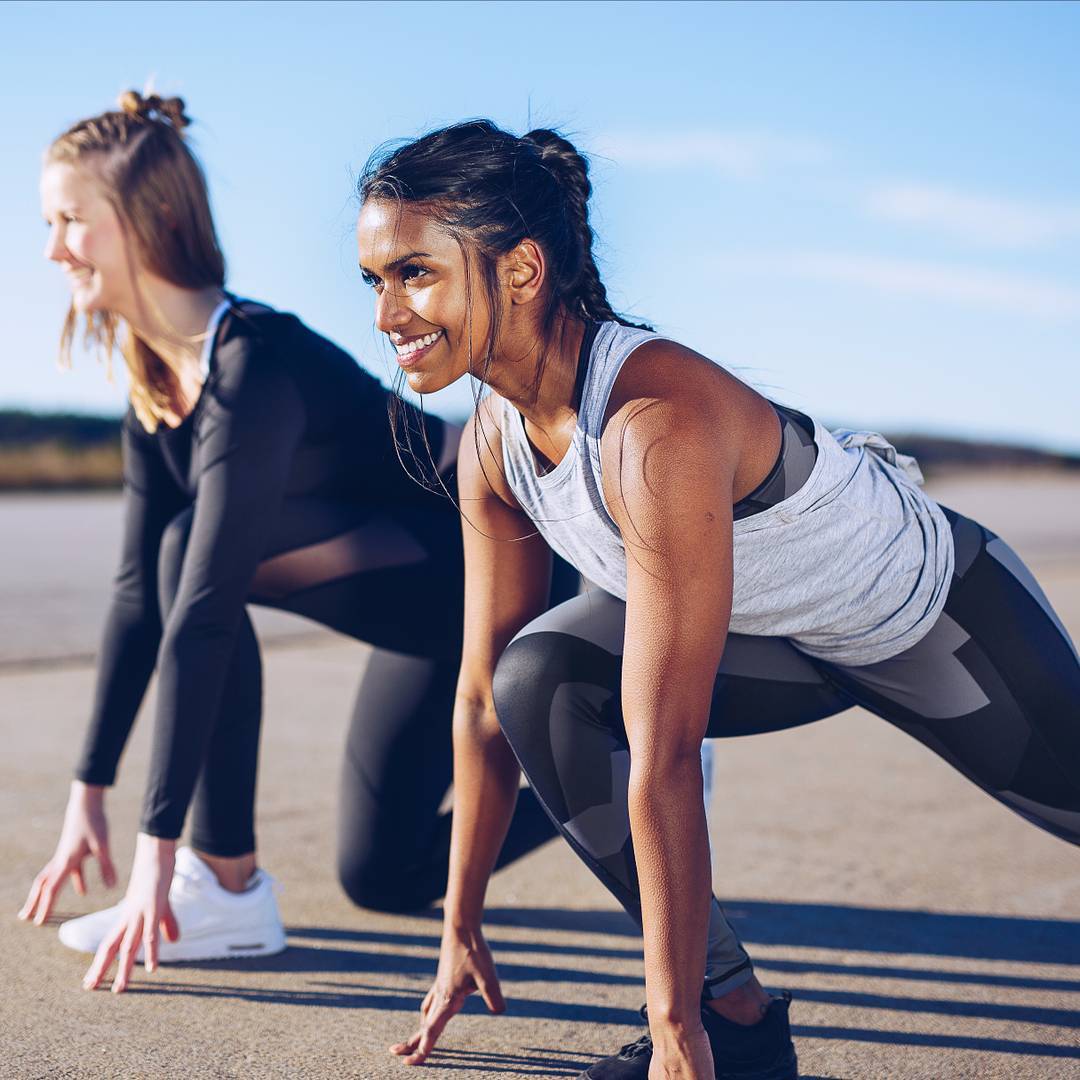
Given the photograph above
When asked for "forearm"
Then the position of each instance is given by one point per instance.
(486, 777)
(667, 822)
(125, 663)
(193, 667)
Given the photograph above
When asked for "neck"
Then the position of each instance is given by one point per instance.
(172, 320)
(539, 382)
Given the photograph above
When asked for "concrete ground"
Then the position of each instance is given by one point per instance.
(926, 931)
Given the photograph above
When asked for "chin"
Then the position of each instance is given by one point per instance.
(87, 301)
(427, 382)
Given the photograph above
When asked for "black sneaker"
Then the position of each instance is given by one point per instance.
(630, 1063)
(761, 1051)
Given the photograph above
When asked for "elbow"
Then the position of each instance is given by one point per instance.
(193, 636)
(654, 776)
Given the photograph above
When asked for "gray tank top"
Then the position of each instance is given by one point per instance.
(854, 567)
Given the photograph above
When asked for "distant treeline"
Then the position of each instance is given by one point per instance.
(58, 451)
(935, 453)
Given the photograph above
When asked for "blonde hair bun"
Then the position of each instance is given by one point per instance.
(152, 107)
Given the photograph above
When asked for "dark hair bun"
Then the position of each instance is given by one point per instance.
(154, 108)
(563, 159)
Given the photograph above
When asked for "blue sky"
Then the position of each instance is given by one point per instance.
(869, 211)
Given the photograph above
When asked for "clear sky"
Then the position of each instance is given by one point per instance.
(872, 212)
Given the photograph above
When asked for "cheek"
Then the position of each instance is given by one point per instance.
(104, 250)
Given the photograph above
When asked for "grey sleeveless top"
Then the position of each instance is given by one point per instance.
(854, 567)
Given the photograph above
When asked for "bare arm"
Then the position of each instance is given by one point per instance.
(668, 481)
(507, 579)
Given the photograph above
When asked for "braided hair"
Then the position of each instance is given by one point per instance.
(491, 189)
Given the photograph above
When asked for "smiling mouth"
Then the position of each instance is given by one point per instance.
(411, 351)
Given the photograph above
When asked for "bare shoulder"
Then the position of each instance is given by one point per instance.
(667, 390)
(480, 459)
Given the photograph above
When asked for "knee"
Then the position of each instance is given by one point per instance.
(528, 673)
(385, 885)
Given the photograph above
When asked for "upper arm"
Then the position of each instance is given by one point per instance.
(507, 563)
(668, 474)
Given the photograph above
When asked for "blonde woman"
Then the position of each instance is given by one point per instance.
(258, 466)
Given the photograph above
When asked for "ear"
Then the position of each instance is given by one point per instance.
(526, 271)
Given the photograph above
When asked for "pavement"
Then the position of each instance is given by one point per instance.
(926, 931)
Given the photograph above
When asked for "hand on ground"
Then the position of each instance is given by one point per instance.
(465, 967)
(145, 909)
(680, 1055)
(85, 832)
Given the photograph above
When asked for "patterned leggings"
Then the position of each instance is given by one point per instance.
(993, 688)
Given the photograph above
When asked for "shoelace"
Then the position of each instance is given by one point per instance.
(636, 1049)
(642, 1045)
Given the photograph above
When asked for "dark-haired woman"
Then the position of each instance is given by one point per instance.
(259, 467)
(756, 571)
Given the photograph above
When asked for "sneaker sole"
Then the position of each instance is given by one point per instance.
(213, 948)
(219, 949)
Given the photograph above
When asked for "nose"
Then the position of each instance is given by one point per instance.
(390, 313)
(55, 248)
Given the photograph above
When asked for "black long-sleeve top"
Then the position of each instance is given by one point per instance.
(283, 412)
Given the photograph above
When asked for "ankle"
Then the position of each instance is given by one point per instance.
(745, 1005)
(232, 873)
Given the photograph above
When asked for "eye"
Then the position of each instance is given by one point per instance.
(371, 280)
(412, 272)
(70, 218)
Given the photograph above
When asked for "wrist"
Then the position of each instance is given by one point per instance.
(675, 1020)
(673, 1037)
(462, 932)
(159, 845)
(90, 794)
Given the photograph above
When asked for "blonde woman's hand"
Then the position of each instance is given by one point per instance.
(465, 967)
(85, 833)
(144, 910)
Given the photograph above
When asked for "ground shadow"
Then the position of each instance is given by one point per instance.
(841, 926)
(330, 951)
(328, 960)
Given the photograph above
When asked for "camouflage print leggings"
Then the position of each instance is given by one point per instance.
(993, 688)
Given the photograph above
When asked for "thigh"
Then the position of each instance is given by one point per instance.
(390, 576)
(994, 687)
(558, 695)
(762, 683)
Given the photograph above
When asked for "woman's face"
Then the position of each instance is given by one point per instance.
(422, 294)
(86, 240)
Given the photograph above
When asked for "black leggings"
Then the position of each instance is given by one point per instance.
(993, 688)
(396, 583)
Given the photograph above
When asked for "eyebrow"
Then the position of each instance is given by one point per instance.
(400, 261)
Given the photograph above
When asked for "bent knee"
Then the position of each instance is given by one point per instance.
(529, 665)
(386, 885)
(547, 678)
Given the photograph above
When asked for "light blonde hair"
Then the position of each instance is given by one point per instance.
(157, 188)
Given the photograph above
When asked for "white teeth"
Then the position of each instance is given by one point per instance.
(419, 343)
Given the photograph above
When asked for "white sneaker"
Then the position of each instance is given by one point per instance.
(214, 923)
